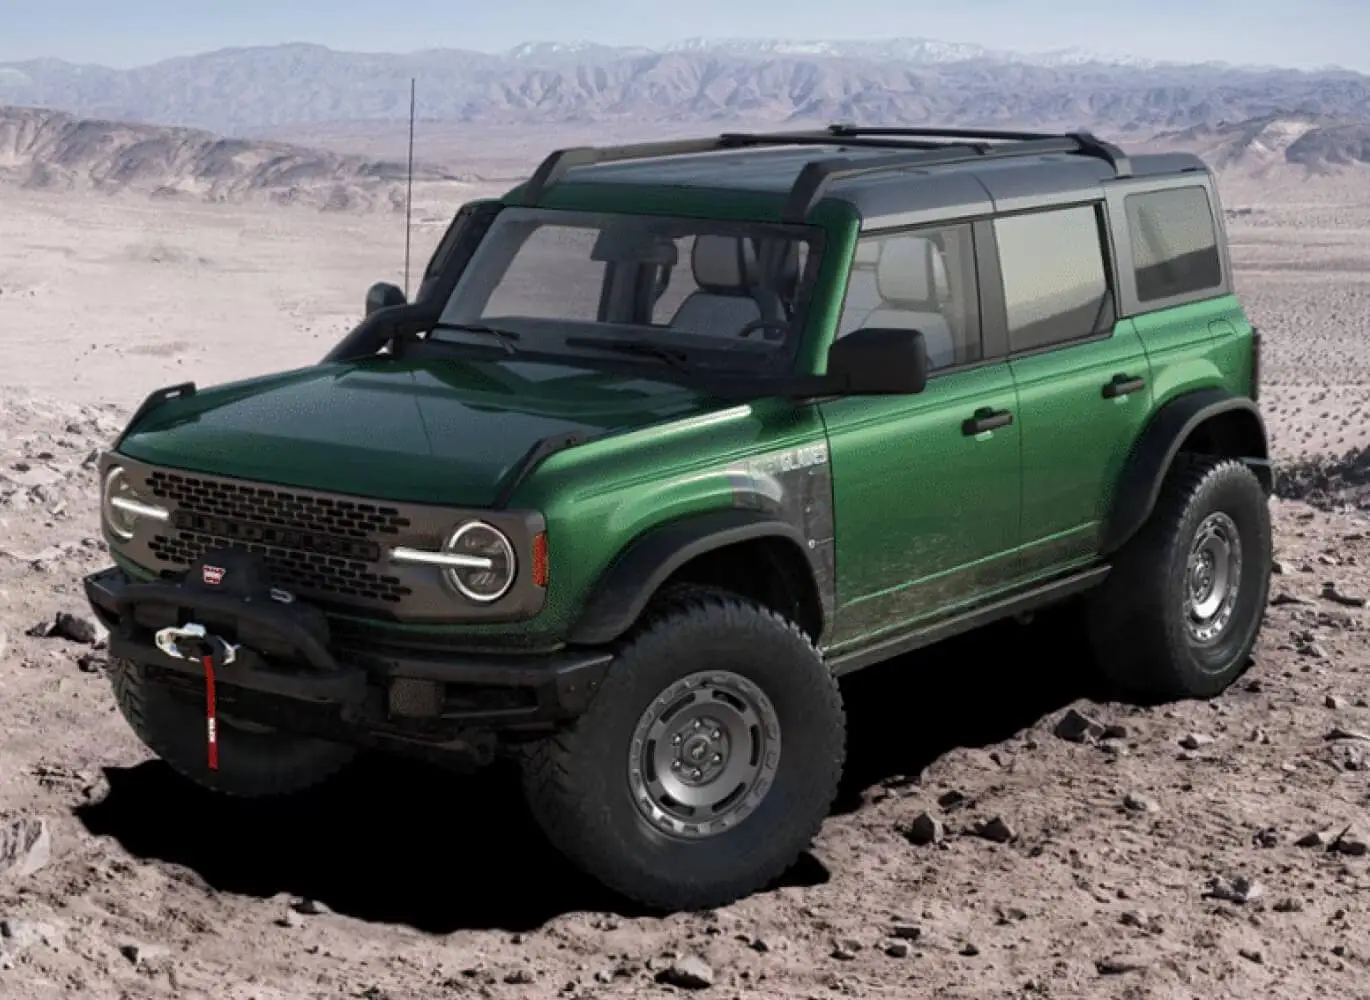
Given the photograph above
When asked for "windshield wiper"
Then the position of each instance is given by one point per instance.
(506, 338)
(641, 348)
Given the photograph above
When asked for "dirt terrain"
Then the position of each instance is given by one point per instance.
(1186, 850)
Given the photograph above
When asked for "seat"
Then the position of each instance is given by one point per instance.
(907, 276)
(725, 271)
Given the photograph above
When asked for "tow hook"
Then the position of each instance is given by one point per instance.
(168, 639)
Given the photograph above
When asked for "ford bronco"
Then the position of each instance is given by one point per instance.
(673, 435)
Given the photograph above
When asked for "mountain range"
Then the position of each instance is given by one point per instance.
(245, 91)
(53, 150)
(1301, 143)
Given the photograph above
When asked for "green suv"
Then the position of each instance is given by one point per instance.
(674, 435)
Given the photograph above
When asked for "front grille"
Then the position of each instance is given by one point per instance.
(319, 547)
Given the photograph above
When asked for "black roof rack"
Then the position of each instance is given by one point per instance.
(910, 147)
(1089, 144)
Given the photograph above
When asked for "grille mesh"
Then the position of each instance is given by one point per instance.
(319, 547)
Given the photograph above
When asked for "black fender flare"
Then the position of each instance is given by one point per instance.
(633, 577)
(1139, 487)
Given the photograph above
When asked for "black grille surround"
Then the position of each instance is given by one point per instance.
(330, 549)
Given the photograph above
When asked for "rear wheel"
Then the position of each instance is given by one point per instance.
(1180, 611)
(254, 761)
(707, 761)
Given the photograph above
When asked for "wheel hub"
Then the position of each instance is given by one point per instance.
(702, 751)
(704, 754)
(1212, 578)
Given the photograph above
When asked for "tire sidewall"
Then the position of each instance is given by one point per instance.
(1234, 491)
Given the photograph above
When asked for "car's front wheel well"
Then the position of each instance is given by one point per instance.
(772, 571)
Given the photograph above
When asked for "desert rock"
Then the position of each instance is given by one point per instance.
(688, 974)
(25, 848)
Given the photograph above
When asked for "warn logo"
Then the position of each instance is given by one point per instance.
(212, 575)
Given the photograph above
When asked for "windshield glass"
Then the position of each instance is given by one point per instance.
(678, 293)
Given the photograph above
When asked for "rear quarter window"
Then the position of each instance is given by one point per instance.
(1174, 243)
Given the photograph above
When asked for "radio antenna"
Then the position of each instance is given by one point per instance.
(409, 190)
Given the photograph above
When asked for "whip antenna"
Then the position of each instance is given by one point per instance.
(409, 190)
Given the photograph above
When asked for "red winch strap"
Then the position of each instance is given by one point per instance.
(211, 722)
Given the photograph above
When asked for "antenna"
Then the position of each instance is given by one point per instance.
(409, 191)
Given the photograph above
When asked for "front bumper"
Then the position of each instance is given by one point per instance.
(285, 677)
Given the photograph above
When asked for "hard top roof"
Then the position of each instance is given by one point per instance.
(867, 167)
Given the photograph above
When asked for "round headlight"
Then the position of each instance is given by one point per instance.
(120, 522)
(121, 508)
(490, 564)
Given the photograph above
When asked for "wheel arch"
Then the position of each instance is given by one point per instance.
(749, 552)
(1204, 421)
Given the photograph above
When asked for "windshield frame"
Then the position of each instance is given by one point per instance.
(706, 353)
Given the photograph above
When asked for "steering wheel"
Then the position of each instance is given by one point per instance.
(762, 324)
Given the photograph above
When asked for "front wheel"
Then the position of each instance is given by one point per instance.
(706, 763)
(1180, 611)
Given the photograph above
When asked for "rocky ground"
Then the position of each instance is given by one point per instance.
(1002, 833)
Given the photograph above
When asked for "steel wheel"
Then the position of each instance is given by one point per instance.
(1212, 578)
(704, 754)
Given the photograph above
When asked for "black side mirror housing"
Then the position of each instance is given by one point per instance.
(878, 361)
(383, 295)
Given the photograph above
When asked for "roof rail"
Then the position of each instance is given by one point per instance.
(916, 147)
(814, 179)
(1088, 143)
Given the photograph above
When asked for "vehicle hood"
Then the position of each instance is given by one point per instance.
(446, 432)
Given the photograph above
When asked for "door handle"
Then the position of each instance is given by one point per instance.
(986, 419)
(1122, 385)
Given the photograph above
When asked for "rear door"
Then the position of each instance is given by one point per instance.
(1082, 376)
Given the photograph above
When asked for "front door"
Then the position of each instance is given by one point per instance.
(926, 487)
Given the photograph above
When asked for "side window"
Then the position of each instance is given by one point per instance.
(1055, 281)
(1174, 242)
(921, 280)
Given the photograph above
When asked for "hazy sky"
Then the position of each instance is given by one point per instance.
(1302, 33)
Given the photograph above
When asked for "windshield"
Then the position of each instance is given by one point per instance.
(678, 293)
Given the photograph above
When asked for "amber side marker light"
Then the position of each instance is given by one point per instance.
(540, 559)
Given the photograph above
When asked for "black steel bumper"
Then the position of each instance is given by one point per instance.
(283, 675)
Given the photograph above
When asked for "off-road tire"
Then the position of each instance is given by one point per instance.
(1137, 620)
(577, 783)
(252, 765)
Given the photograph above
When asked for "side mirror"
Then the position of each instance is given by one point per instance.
(383, 295)
(879, 361)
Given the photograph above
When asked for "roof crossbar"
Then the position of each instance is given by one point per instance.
(910, 147)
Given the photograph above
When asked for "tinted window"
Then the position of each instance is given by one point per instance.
(1174, 243)
(1055, 282)
(923, 280)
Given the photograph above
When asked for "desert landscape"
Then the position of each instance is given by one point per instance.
(1197, 849)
